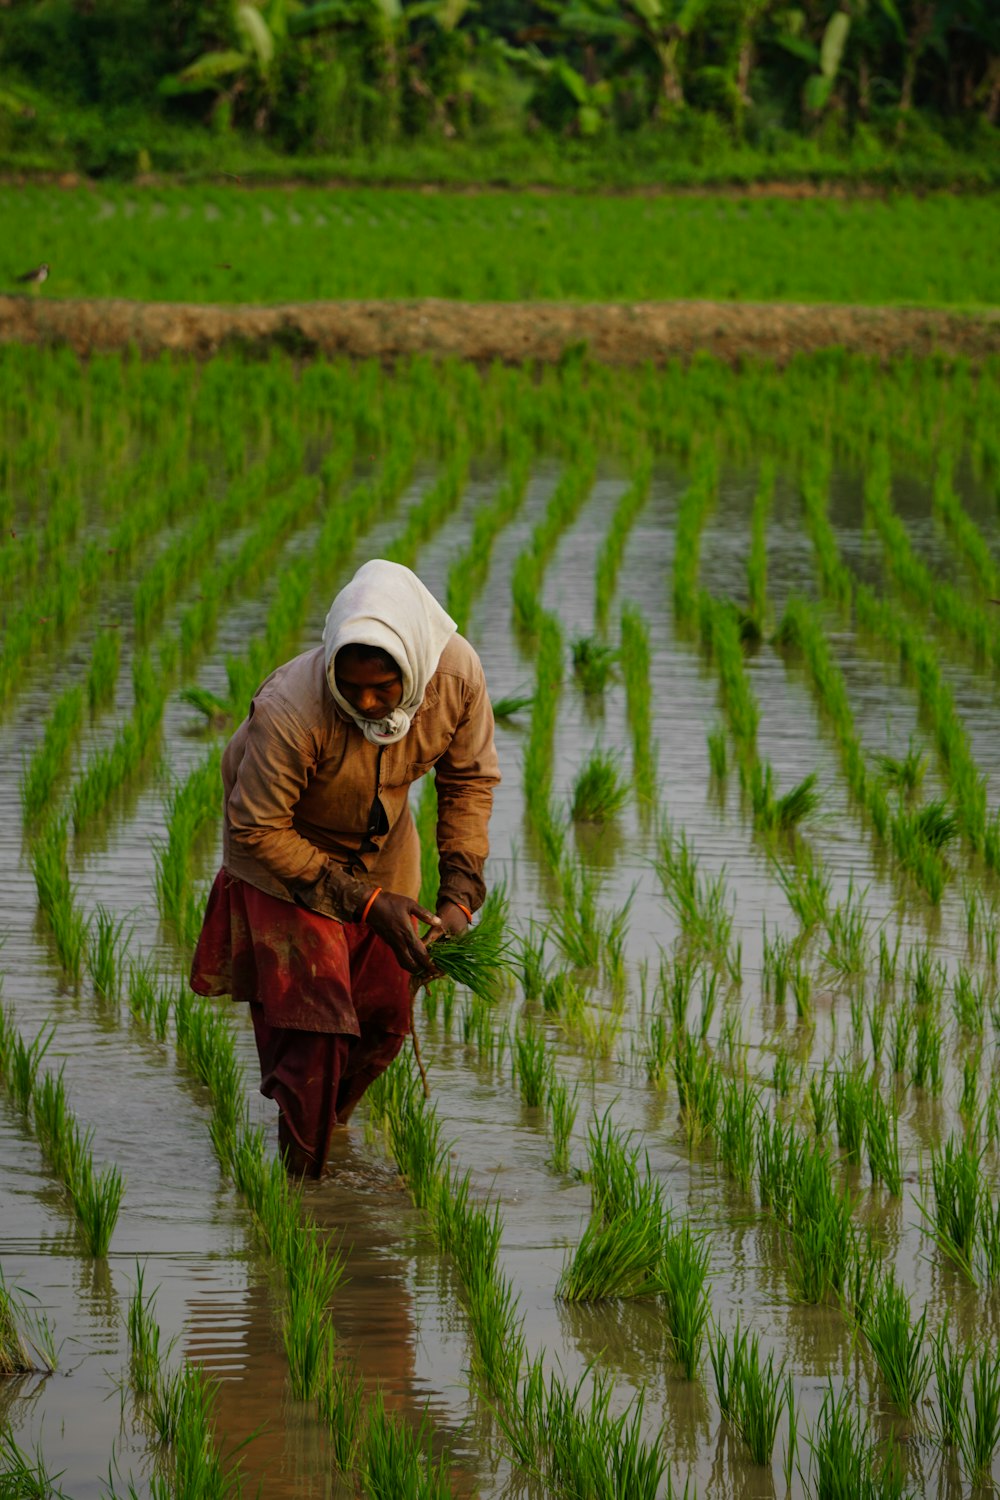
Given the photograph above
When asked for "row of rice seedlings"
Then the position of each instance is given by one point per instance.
(634, 659)
(109, 769)
(897, 1344)
(753, 1394)
(757, 556)
(845, 1457)
(176, 1407)
(191, 808)
(26, 556)
(958, 611)
(631, 1247)
(41, 1100)
(963, 1220)
(26, 1342)
(77, 584)
(433, 508)
(102, 674)
(50, 760)
(630, 506)
(692, 513)
(564, 1434)
(563, 507)
(26, 1475)
(57, 897)
(468, 572)
(965, 535)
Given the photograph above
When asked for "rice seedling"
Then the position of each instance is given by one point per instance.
(702, 905)
(820, 1228)
(509, 707)
(562, 1110)
(621, 1257)
(340, 1403)
(145, 1356)
(781, 1073)
(59, 1135)
(801, 985)
(311, 1278)
(149, 998)
(103, 671)
(612, 551)
(686, 1299)
(593, 664)
(698, 1081)
(977, 1429)
(599, 792)
(903, 773)
(882, 1139)
(20, 1061)
(634, 659)
(533, 965)
(43, 771)
(807, 890)
(970, 998)
(900, 1036)
(107, 943)
(757, 556)
(693, 511)
(897, 1344)
(820, 1101)
(851, 1093)
(26, 1342)
(955, 1186)
(846, 1462)
(737, 1129)
(532, 1066)
(753, 1395)
(96, 1199)
(781, 815)
(24, 1479)
(928, 1042)
(395, 1461)
(57, 898)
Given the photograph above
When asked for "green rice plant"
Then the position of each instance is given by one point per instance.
(18, 1352)
(414, 1132)
(718, 755)
(102, 673)
(807, 890)
(737, 1129)
(820, 1101)
(897, 1344)
(509, 707)
(191, 808)
(145, 1356)
(698, 1081)
(781, 1073)
(851, 1092)
(979, 1421)
(903, 774)
(781, 815)
(888, 960)
(657, 1052)
(57, 898)
(848, 952)
(752, 1394)
(340, 1403)
(801, 984)
(951, 1364)
(96, 1199)
(59, 1134)
(612, 551)
(968, 1104)
(634, 659)
(48, 764)
(20, 1061)
(955, 1186)
(846, 1463)
(532, 1066)
(686, 1299)
(599, 1029)
(757, 556)
(179, 1411)
(900, 1037)
(397, 1463)
(562, 1109)
(24, 1479)
(312, 1275)
(820, 1228)
(693, 511)
(929, 1039)
(150, 1000)
(593, 664)
(621, 1257)
(563, 507)
(970, 1000)
(578, 925)
(107, 944)
(599, 792)
(882, 1139)
(533, 966)
(702, 905)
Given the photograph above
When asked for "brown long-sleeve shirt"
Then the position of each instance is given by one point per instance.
(315, 812)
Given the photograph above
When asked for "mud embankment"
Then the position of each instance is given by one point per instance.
(514, 332)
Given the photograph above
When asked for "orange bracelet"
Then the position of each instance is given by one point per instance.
(370, 902)
(461, 907)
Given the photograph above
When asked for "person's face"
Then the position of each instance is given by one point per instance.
(372, 690)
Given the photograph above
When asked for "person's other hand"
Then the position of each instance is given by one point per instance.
(392, 917)
(453, 921)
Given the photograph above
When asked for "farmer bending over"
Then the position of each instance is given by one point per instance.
(311, 918)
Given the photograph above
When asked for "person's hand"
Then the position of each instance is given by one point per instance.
(453, 921)
(392, 917)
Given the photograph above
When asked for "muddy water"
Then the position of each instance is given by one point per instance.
(400, 1314)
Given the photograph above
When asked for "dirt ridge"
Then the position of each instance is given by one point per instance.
(513, 332)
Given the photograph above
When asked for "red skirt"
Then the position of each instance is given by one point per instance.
(330, 1003)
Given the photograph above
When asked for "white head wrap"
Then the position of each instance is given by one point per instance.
(386, 606)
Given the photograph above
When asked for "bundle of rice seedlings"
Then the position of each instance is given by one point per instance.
(482, 959)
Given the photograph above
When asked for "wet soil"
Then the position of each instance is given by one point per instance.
(514, 332)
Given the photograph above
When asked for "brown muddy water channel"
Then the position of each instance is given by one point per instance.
(399, 1313)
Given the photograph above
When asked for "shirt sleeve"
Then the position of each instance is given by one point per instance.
(466, 774)
(278, 760)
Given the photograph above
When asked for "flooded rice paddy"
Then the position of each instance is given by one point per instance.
(802, 1002)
